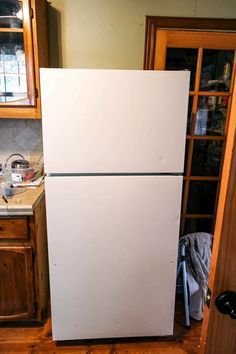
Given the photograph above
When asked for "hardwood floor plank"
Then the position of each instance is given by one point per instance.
(38, 340)
(43, 345)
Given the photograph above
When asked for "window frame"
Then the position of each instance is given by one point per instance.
(185, 23)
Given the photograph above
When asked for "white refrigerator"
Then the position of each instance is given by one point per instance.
(114, 144)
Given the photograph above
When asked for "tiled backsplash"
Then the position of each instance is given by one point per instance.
(23, 136)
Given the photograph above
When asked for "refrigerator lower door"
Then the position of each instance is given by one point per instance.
(112, 250)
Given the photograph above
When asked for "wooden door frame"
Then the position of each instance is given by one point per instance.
(223, 239)
(192, 23)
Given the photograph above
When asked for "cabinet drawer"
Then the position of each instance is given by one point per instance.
(13, 228)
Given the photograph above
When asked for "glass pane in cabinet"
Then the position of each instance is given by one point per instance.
(211, 115)
(10, 13)
(216, 70)
(206, 157)
(198, 225)
(12, 67)
(202, 196)
(183, 59)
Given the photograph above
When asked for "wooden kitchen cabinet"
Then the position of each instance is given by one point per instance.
(16, 287)
(23, 49)
(24, 289)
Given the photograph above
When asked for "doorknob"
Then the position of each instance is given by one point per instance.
(226, 303)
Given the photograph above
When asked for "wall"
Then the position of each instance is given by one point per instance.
(111, 33)
(100, 34)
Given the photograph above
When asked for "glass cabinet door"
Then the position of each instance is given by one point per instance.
(211, 83)
(16, 63)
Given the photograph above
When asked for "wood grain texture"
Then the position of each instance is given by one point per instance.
(16, 283)
(29, 54)
(2, 29)
(224, 277)
(223, 264)
(13, 228)
(38, 232)
(160, 55)
(39, 340)
(24, 284)
(40, 42)
(209, 40)
(40, 33)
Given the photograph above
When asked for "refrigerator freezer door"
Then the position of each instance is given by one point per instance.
(112, 252)
(113, 121)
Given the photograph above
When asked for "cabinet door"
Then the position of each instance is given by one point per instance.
(16, 60)
(16, 283)
(22, 29)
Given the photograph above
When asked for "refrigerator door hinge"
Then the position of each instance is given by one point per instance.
(31, 12)
(208, 298)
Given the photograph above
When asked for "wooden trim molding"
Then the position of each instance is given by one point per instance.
(185, 23)
(223, 252)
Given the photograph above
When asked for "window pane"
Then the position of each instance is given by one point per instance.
(10, 13)
(183, 59)
(186, 156)
(190, 108)
(206, 157)
(202, 197)
(211, 115)
(12, 67)
(216, 70)
(198, 225)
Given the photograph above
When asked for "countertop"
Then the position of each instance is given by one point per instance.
(22, 204)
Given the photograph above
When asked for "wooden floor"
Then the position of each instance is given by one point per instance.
(39, 340)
